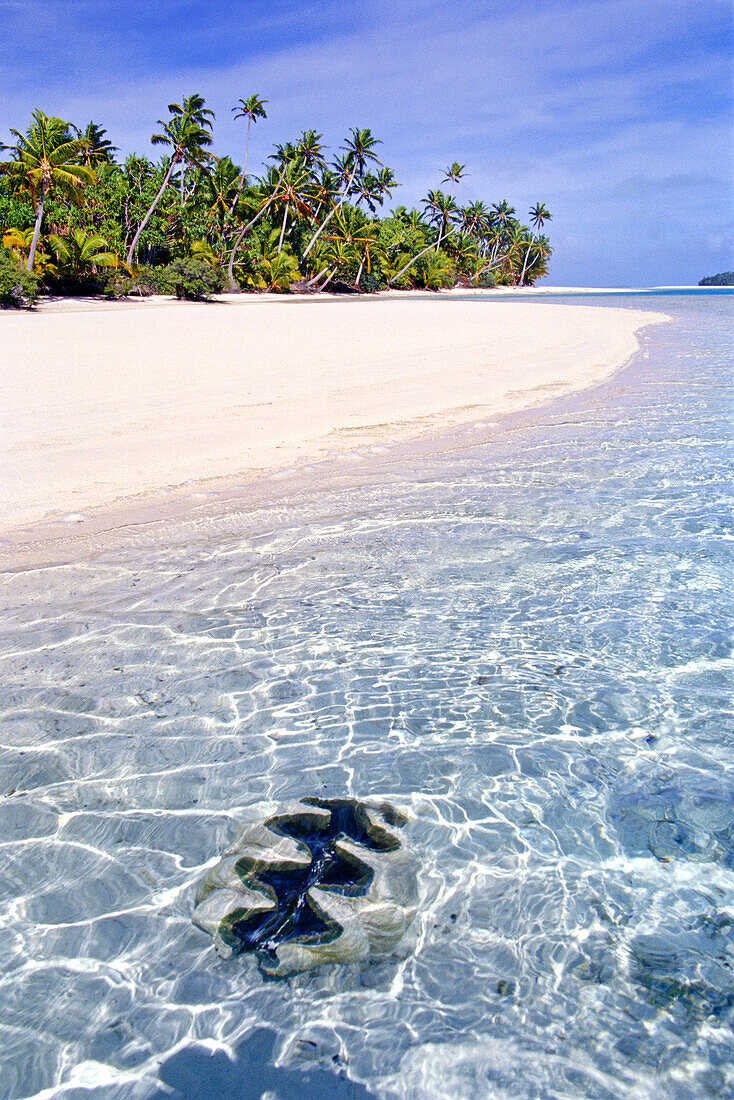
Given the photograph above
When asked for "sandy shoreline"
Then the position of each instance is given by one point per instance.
(102, 402)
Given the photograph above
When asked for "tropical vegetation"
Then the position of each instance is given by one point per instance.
(76, 218)
(17, 287)
(724, 278)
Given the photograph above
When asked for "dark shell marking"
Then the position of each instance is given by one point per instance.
(324, 880)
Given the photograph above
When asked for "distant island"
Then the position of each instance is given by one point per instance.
(75, 220)
(724, 278)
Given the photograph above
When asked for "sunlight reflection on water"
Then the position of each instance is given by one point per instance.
(525, 642)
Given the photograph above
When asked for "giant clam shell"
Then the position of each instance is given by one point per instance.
(322, 880)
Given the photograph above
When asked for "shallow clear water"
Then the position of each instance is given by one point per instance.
(523, 638)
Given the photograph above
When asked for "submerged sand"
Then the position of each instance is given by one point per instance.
(101, 401)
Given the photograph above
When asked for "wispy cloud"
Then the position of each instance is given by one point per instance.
(577, 102)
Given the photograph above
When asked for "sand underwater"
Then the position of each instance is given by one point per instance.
(516, 629)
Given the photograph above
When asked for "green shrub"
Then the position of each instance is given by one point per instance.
(123, 286)
(18, 288)
(155, 280)
(485, 281)
(15, 211)
(145, 282)
(190, 278)
(369, 283)
(434, 271)
(194, 280)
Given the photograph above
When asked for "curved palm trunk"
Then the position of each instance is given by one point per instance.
(36, 229)
(241, 184)
(152, 207)
(487, 267)
(330, 215)
(525, 264)
(322, 227)
(245, 229)
(317, 277)
(228, 216)
(411, 262)
(282, 228)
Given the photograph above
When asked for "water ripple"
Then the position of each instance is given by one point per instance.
(525, 640)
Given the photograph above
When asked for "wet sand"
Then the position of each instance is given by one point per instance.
(102, 403)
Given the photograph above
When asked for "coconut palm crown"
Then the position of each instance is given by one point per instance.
(98, 148)
(311, 216)
(47, 158)
(187, 132)
(539, 215)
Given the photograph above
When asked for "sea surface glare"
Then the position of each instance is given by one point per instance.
(520, 633)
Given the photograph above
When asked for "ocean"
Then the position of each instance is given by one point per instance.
(519, 632)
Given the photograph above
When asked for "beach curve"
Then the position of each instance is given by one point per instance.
(103, 402)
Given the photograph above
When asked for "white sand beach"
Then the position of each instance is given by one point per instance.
(103, 401)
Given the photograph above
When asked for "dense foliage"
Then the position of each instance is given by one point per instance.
(193, 223)
(18, 288)
(724, 278)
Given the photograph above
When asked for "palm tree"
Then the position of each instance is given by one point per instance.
(501, 220)
(187, 133)
(538, 266)
(47, 158)
(220, 187)
(325, 188)
(202, 250)
(454, 172)
(252, 109)
(385, 183)
(274, 188)
(437, 271)
(98, 150)
(464, 253)
(284, 153)
(502, 215)
(515, 242)
(412, 218)
(367, 245)
(371, 189)
(80, 251)
(340, 256)
(193, 106)
(276, 268)
(361, 235)
(309, 148)
(19, 242)
(280, 270)
(359, 150)
(475, 219)
(539, 214)
(290, 196)
(442, 211)
(368, 191)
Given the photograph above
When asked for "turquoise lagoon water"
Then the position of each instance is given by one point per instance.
(522, 636)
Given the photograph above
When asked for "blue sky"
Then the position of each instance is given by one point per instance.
(616, 113)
